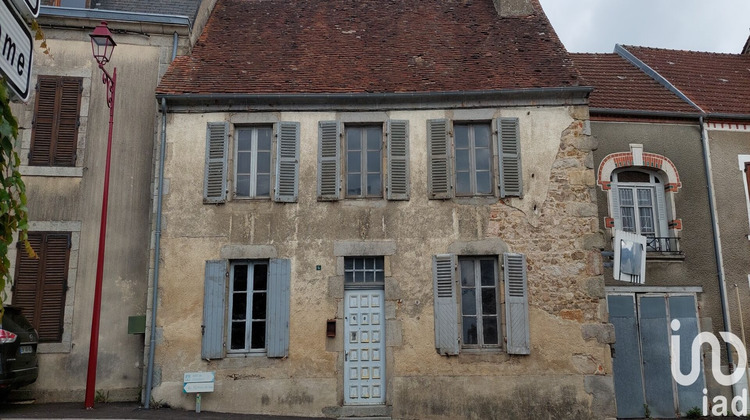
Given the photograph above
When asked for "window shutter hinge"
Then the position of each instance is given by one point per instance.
(203, 330)
(70, 245)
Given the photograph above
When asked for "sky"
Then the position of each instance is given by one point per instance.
(698, 25)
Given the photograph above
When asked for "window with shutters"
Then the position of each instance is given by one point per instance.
(638, 195)
(246, 308)
(470, 298)
(475, 158)
(354, 161)
(265, 163)
(41, 283)
(248, 291)
(480, 302)
(54, 136)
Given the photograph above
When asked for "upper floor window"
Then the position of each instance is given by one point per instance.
(54, 136)
(364, 166)
(641, 207)
(474, 158)
(253, 162)
(266, 162)
(364, 161)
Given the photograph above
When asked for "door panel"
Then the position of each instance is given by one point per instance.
(656, 363)
(683, 308)
(627, 360)
(364, 346)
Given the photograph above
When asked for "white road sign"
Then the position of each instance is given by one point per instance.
(16, 46)
(28, 8)
(198, 377)
(198, 387)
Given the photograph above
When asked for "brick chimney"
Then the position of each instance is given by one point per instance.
(509, 8)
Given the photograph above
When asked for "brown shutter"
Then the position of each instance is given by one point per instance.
(55, 133)
(41, 284)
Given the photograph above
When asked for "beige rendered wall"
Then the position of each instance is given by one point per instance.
(568, 373)
(70, 199)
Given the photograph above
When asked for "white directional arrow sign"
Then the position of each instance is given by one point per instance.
(198, 387)
(17, 47)
(198, 377)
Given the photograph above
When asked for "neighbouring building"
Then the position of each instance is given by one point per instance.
(63, 141)
(672, 151)
(381, 209)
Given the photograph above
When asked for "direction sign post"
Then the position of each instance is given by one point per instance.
(16, 49)
(198, 382)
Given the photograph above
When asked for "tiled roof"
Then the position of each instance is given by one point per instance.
(187, 8)
(618, 84)
(362, 46)
(716, 82)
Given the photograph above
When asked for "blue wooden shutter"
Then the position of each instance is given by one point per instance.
(446, 306)
(329, 144)
(287, 162)
(439, 153)
(277, 332)
(212, 329)
(398, 160)
(516, 303)
(215, 181)
(509, 156)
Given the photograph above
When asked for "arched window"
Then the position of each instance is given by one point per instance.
(639, 206)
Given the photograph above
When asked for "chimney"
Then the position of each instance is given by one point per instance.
(513, 8)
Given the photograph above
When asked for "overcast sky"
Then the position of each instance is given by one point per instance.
(699, 25)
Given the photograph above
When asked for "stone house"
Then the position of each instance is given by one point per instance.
(671, 159)
(63, 138)
(381, 209)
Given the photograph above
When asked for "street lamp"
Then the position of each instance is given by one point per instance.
(102, 46)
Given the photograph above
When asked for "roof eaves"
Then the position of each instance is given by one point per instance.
(114, 16)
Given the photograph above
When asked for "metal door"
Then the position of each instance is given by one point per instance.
(364, 347)
(627, 357)
(657, 372)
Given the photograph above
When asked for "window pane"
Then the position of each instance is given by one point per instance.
(243, 162)
(264, 163)
(470, 334)
(244, 140)
(373, 162)
(243, 185)
(489, 301)
(380, 276)
(348, 263)
(647, 221)
(354, 184)
(260, 277)
(359, 263)
(239, 306)
(462, 136)
(374, 185)
(353, 139)
(258, 339)
(484, 183)
(468, 301)
(462, 160)
(467, 272)
(483, 159)
(627, 215)
(259, 305)
(482, 135)
(370, 276)
(626, 196)
(463, 183)
(489, 329)
(487, 268)
(633, 176)
(354, 162)
(379, 263)
(237, 341)
(264, 138)
(349, 276)
(359, 276)
(263, 188)
(644, 197)
(240, 278)
(374, 138)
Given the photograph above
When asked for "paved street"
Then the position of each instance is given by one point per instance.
(27, 410)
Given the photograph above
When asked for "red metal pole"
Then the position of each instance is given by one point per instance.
(94, 343)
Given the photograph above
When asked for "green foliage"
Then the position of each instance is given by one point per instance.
(694, 413)
(101, 396)
(13, 212)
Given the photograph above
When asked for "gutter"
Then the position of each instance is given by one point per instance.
(187, 102)
(114, 16)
